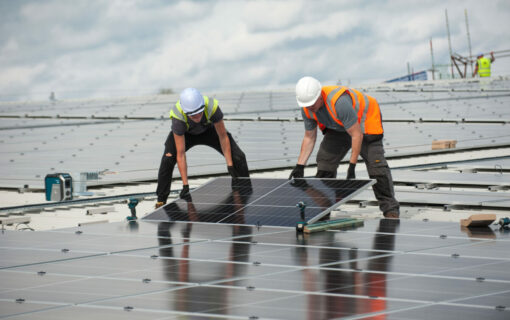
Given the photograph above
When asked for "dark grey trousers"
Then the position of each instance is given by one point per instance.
(208, 138)
(335, 146)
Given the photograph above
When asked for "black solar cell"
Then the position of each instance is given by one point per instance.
(260, 201)
(164, 270)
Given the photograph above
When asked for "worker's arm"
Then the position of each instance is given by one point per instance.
(492, 57)
(356, 139)
(476, 69)
(180, 145)
(306, 150)
(224, 142)
(307, 146)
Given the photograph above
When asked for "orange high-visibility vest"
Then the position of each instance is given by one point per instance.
(366, 108)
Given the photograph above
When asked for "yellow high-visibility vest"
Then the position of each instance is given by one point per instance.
(210, 108)
(484, 67)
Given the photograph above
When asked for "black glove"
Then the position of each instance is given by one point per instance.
(232, 172)
(298, 172)
(185, 192)
(300, 183)
(350, 172)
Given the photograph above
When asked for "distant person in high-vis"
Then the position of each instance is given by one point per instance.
(483, 65)
(348, 119)
(196, 120)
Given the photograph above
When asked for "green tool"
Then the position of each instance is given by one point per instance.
(333, 224)
(301, 224)
(132, 203)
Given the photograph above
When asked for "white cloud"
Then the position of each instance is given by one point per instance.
(264, 16)
(14, 77)
(84, 48)
(11, 47)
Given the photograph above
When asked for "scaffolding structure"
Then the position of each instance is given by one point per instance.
(461, 62)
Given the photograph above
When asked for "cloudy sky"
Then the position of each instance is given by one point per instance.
(102, 48)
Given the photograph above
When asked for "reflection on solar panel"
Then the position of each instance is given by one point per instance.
(175, 270)
(260, 201)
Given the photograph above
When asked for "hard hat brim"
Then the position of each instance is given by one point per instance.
(192, 113)
(308, 103)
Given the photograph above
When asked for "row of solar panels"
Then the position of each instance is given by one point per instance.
(146, 270)
(475, 105)
(482, 108)
(130, 150)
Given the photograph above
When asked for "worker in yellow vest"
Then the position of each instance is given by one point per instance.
(483, 65)
(196, 120)
(348, 119)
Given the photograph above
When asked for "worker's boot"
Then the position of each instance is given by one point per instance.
(392, 214)
(159, 204)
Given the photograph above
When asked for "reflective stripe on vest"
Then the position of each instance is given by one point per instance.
(365, 107)
(307, 113)
(210, 108)
(484, 67)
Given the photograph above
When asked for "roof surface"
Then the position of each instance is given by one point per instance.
(423, 266)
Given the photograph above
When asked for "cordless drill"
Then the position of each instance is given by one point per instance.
(301, 224)
(132, 203)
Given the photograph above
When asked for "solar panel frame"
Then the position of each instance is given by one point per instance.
(266, 199)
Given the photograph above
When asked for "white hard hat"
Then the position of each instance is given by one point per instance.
(192, 101)
(308, 90)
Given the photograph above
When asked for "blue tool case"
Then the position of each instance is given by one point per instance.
(58, 186)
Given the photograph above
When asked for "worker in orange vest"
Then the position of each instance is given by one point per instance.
(349, 119)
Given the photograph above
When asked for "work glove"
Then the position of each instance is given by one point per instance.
(297, 172)
(300, 183)
(185, 192)
(232, 172)
(350, 172)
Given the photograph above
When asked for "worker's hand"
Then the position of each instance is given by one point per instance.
(159, 204)
(298, 172)
(300, 183)
(185, 192)
(232, 172)
(350, 172)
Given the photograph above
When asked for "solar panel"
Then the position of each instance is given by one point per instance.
(37, 138)
(261, 201)
(481, 199)
(169, 270)
(446, 178)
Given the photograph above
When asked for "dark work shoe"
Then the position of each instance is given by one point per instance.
(392, 214)
(159, 204)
